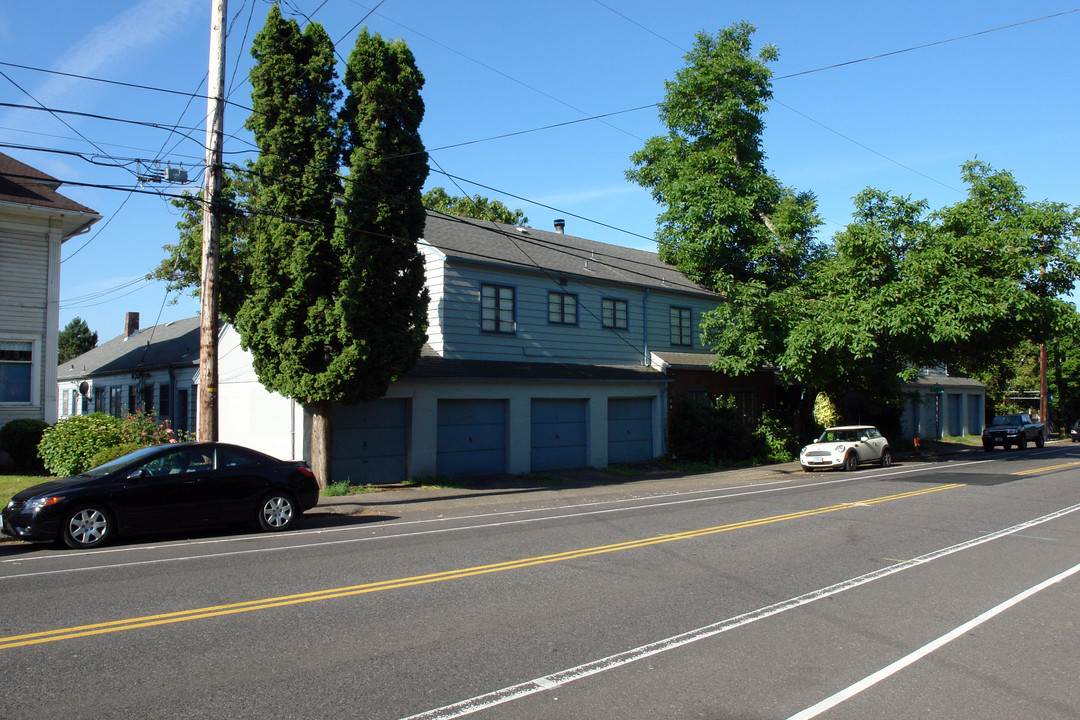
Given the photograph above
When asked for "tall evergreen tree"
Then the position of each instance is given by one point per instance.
(336, 309)
(75, 339)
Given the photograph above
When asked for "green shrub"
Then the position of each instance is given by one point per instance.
(20, 439)
(779, 437)
(68, 446)
(716, 433)
(112, 452)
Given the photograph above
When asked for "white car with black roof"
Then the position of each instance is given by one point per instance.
(846, 448)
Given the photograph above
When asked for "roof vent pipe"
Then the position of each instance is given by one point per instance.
(560, 226)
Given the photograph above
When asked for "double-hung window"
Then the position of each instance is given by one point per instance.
(497, 309)
(613, 314)
(562, 308)
(680, 326)
(16, 371)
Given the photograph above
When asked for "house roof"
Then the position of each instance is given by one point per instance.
(942, 382)
(27, 187)
(478, 241)
(173, 344)
(431, 366)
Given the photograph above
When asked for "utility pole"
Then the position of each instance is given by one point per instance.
(211, 251)
(1044, 393)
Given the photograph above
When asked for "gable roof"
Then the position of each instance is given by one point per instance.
(173, 344)
(479, 241)
(27, 187)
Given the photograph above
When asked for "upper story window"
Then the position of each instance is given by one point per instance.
(613, 314)
(16, 371)
(562, 308)
(680, 326)
(497, 309)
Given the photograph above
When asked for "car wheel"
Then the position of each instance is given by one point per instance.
(886, 458)
(86, 527)
(1040, 441)
(988, 446)
(851, 463)
(1021, 444)
(277, 511)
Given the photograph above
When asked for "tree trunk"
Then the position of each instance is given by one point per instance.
(322, 412)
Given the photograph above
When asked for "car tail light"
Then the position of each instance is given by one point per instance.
(306, 471)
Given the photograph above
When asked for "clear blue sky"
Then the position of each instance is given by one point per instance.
(902, 123)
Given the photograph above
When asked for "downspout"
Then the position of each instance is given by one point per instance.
(645, 326)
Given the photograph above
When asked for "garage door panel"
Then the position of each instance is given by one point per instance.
(471, 437)
(558, 439)
(370, 443)
(630, 424)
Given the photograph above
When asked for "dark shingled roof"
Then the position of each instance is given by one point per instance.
(431, 366)
(23, 185)
(174, 344)
(531, 249)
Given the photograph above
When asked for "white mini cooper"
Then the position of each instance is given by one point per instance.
(846, 447)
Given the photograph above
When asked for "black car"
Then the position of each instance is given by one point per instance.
(161, 489)
(1074, 432)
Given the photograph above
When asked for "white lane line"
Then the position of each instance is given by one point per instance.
(569, 675)
(910, 659)
(556, 514)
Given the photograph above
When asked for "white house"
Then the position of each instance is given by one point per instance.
(545, 351)
(150, 370)
(35, 220)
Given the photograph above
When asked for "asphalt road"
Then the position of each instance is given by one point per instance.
(927, 590)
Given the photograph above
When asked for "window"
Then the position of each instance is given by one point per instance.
(116, 397)
(497, 309)
(163, 400)
(16, 371)
(562, 308)
(680, 326)
(613, 314)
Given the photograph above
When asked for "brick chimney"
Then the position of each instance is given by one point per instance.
(131, 324)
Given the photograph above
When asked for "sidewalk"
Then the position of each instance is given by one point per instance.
(487, 491)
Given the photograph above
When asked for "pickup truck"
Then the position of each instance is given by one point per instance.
(1016, 429)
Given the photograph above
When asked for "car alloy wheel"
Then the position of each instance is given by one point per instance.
(86, 527)
(886, 458)
(276, 512)
(851, 463)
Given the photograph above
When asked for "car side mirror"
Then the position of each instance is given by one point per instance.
(864, 438)
(140, 473)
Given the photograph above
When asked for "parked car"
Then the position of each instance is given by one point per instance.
(161, 489)
(1074, 432)
(1014, 429)
(846, 448)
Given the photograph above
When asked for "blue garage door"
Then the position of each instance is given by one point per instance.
(956, 418)
(975, 415)
(472, 438)
(630, 423)
(370, 443)
(558, 434)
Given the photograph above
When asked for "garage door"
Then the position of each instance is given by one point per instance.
(370, 442)
(472, 438)
(630, 422)
(558, 434)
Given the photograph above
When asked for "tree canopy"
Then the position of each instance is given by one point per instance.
(75, 339)
(473, 206)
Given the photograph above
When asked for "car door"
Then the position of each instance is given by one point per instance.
(229, 492)
(869, 447)
(161, 493)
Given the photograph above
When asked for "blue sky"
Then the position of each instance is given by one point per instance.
(903, 122)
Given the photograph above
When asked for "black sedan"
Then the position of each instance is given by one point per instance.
(164, 488)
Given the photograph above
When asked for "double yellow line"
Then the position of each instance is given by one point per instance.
(48, 636)
(1035, 471)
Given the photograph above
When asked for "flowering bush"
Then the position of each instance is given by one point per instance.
(68, 446)
(142, 430)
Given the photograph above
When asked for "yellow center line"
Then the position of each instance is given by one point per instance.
(14, 641)
(1044, 469)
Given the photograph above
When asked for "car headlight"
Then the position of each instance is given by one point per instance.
(41, 501)
(839, 449)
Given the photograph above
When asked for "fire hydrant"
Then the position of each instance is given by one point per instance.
(918, 446)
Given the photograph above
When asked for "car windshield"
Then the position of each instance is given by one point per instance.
(119, 462)
(1006, 420)
(842, 435)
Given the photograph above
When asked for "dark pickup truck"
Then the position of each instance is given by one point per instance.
(1008, 430)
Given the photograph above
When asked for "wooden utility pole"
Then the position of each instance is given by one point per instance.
(1044, 393)
(211, 251)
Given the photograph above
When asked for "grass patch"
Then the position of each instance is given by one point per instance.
(541, 478)
(11, 484)
(439, 482)
(344, 487)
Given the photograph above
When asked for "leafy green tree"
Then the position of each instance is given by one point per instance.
(75, 339)
(182, 266)
(474, 206)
